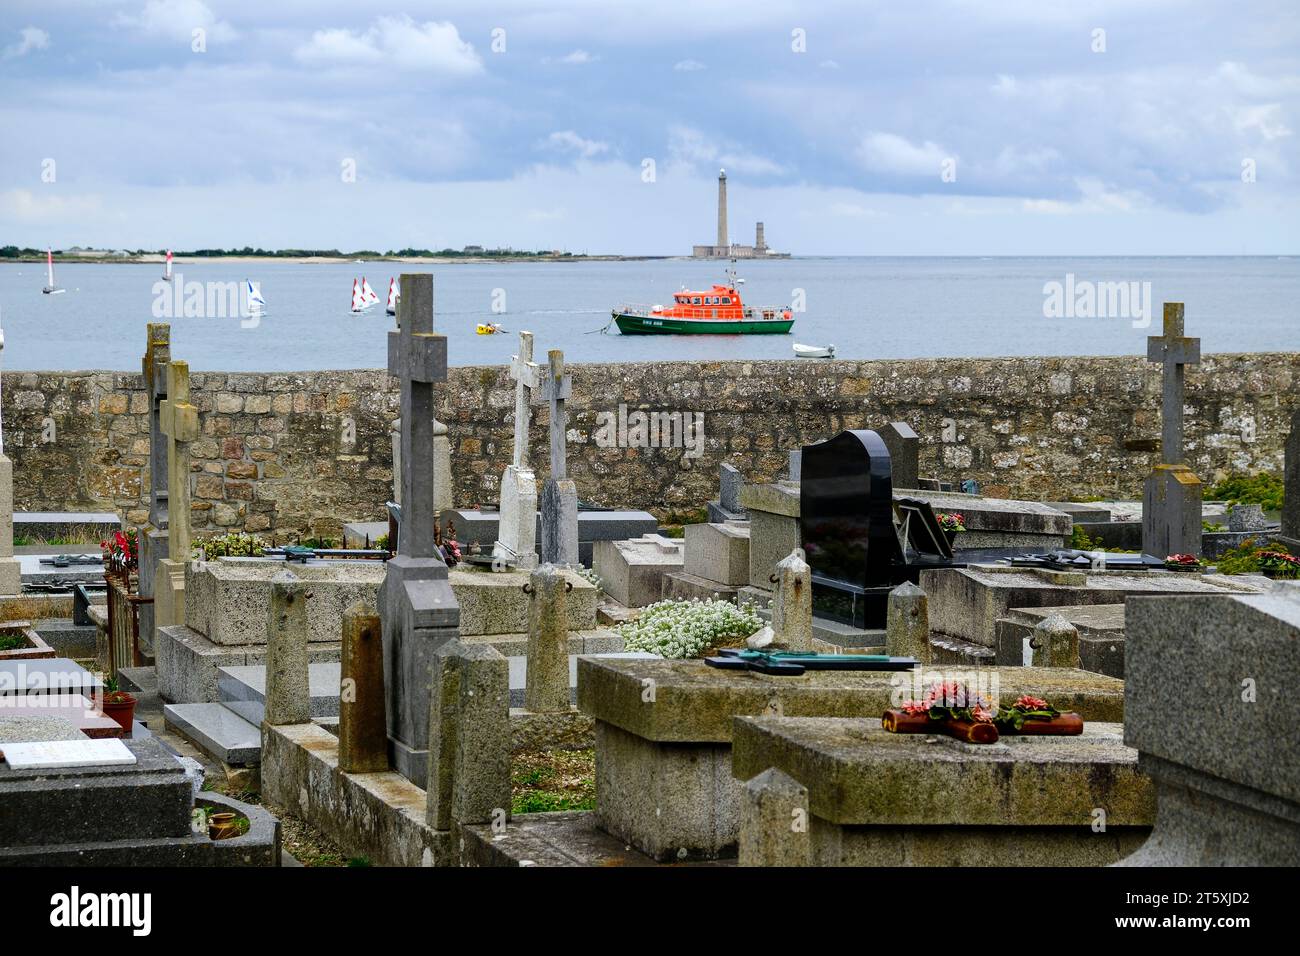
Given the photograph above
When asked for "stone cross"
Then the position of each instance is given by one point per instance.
(179, 421)
(1171, 498)
(526, 375)
(418, 358)
(153, 367)
(1174, 352)
(557, 389)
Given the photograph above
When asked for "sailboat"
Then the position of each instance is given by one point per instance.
(256, 304)
(50, 287)
(368, 294)
(393, 295)
(167, 269)
(358, 300)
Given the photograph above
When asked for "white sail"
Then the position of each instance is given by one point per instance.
(358, 300)
(50, 287)
(369, 294)
(393, 295)
(256, 304)
(167, 269)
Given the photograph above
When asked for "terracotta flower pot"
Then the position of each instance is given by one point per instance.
(223, 826)
(121, 709)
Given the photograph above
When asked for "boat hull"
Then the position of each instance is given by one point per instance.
(632, 324)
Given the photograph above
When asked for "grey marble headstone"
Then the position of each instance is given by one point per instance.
(1210, 705)
(1171, 502)
(730, 481)
(796, 464)
(559, 503)
(904, 453)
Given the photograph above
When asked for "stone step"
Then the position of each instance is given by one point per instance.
(946, 649)
(138, 680)
(243, 689)
(683, 586)
(216, 730)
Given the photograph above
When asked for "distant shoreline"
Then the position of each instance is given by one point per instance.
(328, 260)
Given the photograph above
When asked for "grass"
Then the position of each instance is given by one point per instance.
(1262, 489)
(546, 781)
(11, 642)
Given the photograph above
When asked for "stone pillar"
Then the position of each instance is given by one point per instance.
(1290, 536)
(904, 454)
(792, 604)
(179, 421)
(1055, 643)
(363, 738)
(774, 821)
(548, 642)
(723, 240)
(907, 623)
(11, 577)
(288, 695)
(152, 537)
(469, 736)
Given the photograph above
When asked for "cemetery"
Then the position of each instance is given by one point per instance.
(855, 626)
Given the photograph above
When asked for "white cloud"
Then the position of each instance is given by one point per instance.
(577, 57)
(829, 65)
(1265, 118)
(177, 20)
(688, 66)
(398, 42)
(569, 141)
(1095, 197)
(1005, 86)
(31, 38)
(890, 153)
(22, 205)
(690, 146)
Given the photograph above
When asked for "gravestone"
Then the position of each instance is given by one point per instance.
(728, 506)
(907, 630)
(1227, 767)
(517, 531)
(11, 576)
(1171, 503)
(442, 486)
(559, 494)
(179, 421)
(632, 572)
(1290, 535)
(153, 544)
(417, 608)
(792, 604)
(904, 454)
(847, 526)
(288, 697)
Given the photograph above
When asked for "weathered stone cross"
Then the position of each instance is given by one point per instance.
(154, 369)
(526, 374)
(418, 358)
(557, 389)
(179, 421)
(1174, 351)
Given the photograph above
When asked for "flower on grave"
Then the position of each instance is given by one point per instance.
(951, 700)
(681, 629)
(1026, 707)
(1280, 563)
(1029, 702)
(950, 521)
(120, 551)
(1183, 561)
(914, 708)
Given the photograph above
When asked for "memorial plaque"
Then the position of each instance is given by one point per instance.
(61, 754)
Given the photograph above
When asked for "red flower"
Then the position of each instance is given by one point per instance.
(1028, 702)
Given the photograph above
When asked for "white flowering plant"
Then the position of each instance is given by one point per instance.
(681, 629)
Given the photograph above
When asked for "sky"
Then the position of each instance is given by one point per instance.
(966, 127)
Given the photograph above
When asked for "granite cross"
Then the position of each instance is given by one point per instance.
(556, 389)
(418, 358)
(179, 421)
(525, 373)
(154, 369)
(1174, 351)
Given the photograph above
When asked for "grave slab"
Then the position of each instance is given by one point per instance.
(476, 526)
(50, 675)
(632, 572)
(216, 730)
(188, 663)
(74, 708)
(1100, 627)
(243, 689)
(881, 799)
(718, 552)
(966, 603)
(663, 759)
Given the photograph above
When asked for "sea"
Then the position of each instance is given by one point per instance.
(866, 307)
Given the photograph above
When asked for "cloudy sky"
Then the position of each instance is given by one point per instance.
(969, 127)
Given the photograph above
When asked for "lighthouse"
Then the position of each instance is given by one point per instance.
(723, 241)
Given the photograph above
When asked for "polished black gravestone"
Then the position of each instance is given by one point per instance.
(847, 527)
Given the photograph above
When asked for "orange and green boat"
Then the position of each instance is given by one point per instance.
(716, 311)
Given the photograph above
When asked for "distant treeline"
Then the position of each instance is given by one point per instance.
(13, 252)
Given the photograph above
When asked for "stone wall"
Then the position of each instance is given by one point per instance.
(302, 452)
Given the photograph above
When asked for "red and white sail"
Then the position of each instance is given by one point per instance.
(368, 294)
(167, 269)
(393, 295)
(50, 287)
(358, 299)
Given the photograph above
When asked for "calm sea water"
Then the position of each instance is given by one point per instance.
(867, 307)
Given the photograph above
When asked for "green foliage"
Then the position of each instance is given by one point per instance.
(1250, 557)
(320, 544)
(1080, 541)
(591, 577)
(236, 544)
(1211, 526)
(12, 642)
(380, 543)
(541, 801)
(1263, 489)
(681, 629)
(359, 861)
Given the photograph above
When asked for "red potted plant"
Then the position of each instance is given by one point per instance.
(951, 523)
(121, 554)
(118, 704)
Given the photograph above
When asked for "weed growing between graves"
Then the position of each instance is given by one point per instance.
(11, 642)
(1263, 489)
(546, 781)
(1253, 558)
(593, 578)
(681, 629)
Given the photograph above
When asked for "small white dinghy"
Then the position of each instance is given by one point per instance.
(50, 287)
(368, 295)
(256, 304)
(394, 294)
(167, 269)
(813, 351)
